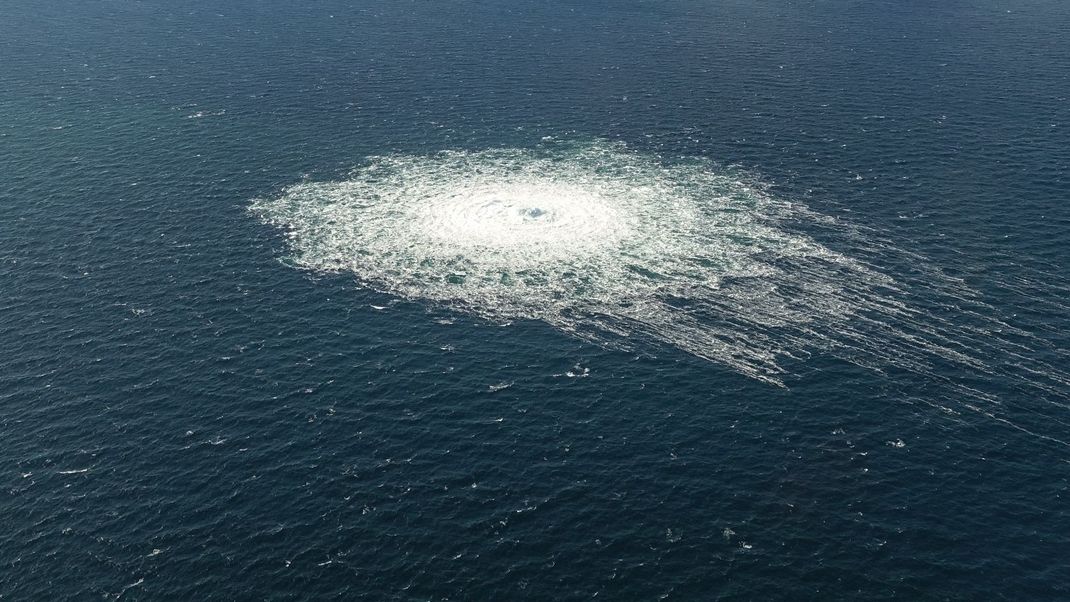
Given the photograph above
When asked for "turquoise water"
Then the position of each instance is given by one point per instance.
(522, 300)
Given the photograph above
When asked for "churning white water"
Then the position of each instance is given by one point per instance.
(593, 239)
(624, 249)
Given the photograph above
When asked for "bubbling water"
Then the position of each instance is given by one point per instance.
(521, 220)
(623, 249)
(593, 239)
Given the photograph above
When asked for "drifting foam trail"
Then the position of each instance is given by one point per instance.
(618, 247)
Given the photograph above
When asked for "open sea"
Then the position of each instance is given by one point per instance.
(535, 300)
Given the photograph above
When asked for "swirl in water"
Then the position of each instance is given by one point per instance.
(593, 239)
(619, 247)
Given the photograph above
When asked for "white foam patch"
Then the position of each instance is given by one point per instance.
(623, 248)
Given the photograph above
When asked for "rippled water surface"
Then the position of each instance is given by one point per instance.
(535, 300)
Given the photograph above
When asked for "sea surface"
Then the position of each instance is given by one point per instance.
(535, 300)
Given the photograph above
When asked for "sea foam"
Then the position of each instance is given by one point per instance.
(626, 249)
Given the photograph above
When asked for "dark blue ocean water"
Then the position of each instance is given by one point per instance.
(184, 415)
